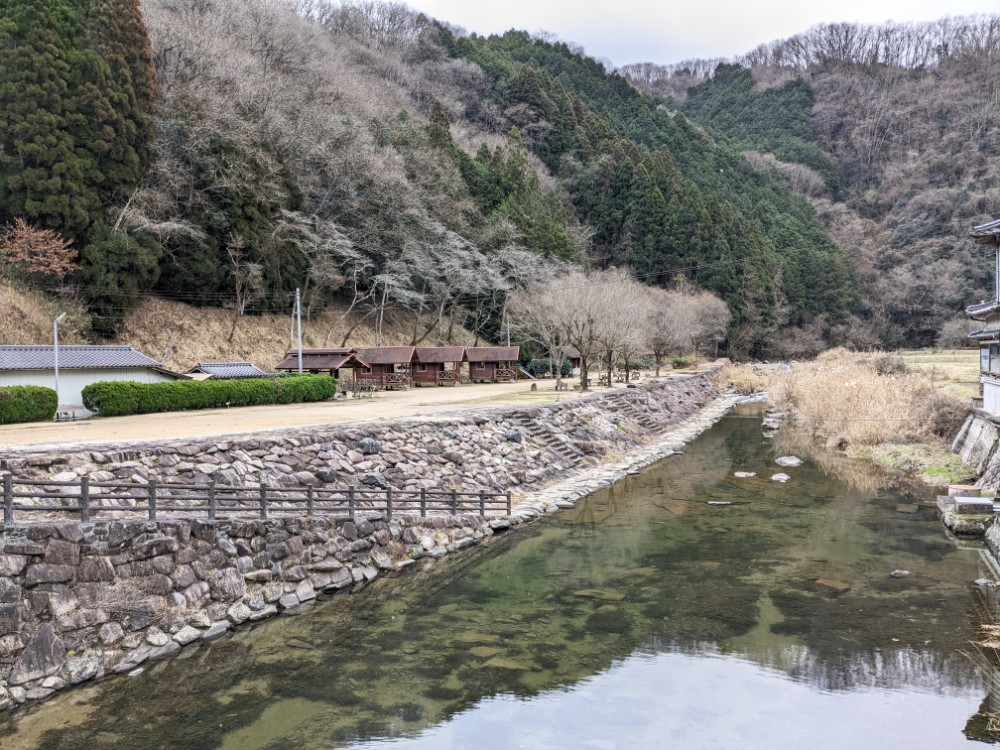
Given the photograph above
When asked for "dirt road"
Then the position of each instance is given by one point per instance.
(216, 422)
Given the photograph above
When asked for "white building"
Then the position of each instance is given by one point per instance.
(79, 366)
(988, 315)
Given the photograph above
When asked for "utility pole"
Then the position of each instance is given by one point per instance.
(298, 323)
(55, 351)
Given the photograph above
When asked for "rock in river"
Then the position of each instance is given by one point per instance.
(788, 461)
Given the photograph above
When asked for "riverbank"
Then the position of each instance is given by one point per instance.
(81, 601)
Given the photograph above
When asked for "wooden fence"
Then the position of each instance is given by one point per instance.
(86, 500)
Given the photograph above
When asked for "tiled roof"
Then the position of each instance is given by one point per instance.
(440, 354)
(985, 333)
(387, 355)
(493, 353)
(982, 310)
(988, 233)
(74, 357)
(229, 370)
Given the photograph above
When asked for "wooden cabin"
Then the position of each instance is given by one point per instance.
(323, 361)
(493, 364)
(387, 366)
(987, 313)
(575, 359)
(438, 365)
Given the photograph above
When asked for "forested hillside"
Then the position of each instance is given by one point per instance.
(225, 154)
(893, 133)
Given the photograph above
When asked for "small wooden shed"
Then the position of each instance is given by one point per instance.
(438, 365)
(493, 364)
(227, 371)
(387, 366)
(318, 361)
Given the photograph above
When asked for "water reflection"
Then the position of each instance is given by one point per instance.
(643, 617)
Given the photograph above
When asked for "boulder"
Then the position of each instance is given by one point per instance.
(374, 479)
(788, 461)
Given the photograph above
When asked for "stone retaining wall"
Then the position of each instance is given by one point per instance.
(79, 601)
(976, 443)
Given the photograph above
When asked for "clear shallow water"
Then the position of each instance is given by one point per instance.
(644, 618)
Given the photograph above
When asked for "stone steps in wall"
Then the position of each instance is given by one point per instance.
(558, 445)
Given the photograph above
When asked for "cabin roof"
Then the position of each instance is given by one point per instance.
(229, 370)
(987, 234)
(493, 353)
(321, 359)
(440, 354)
(76, 357)
(387, 355)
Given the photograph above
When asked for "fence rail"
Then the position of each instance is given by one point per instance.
(87, 500)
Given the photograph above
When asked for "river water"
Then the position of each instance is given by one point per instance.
(644, 618)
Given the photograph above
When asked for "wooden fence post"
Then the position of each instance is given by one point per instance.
(211, 501)
(350, 502)
(388, 504)
(454, 502)
(482, 503)
(423, 502)
(263, 502)
(152, 499)
(509, 503)
(309, 501)
(8, 499)
(84, 499)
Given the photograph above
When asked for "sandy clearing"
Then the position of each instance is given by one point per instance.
(421, 401)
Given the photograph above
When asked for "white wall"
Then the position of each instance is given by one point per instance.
(72, 382)
(991, 394)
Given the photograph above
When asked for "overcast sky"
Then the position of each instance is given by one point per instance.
(669, 31)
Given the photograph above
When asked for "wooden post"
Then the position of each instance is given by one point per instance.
(263, 502)
(509, 504)
(309, 501)
(211, 501)
(8, 499)
(350, 502)
(84, 499)
(454, 502)
(388, 503)
(482, 503)
(152, 500)
(423, 502)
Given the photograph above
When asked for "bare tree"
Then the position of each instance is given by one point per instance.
(40, 253)
(247, 279)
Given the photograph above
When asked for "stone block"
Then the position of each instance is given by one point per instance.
(43, 656)
(227, 585)
(95, 569)
(12, 565)
(59, 552)
(44, 573)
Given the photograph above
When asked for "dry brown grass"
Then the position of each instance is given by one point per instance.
(26, 317)
(743, 379)
(865, 398)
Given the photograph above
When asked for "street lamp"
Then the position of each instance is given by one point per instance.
(55, 351)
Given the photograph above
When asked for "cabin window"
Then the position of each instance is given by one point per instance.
(422, 367)
(480, 365)
(503, 364)
(366, 370)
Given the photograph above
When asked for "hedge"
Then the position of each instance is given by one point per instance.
(540, 368)
(27, 403)
(118, 398)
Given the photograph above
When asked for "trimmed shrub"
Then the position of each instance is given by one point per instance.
(27, 403)
(119, 398)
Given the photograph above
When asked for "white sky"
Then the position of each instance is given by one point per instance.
(669, 31)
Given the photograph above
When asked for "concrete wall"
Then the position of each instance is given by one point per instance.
(976, 443)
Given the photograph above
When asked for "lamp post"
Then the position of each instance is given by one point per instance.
(55, 351)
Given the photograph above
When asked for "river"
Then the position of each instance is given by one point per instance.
(649, 616)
